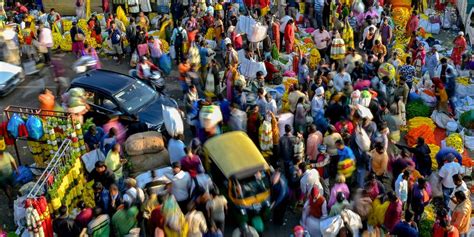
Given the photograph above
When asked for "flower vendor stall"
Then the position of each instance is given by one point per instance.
(61, 183)
(43, 130)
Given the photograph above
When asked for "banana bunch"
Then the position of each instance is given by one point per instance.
(165, 47)
(66, 42)
(57, 37)
(66, 24)
(463, 81)
(418, 121)
(314, 58)
(455, 141)
(434, 150)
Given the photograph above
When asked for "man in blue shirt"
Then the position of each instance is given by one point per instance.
(93, 137)
(116, 38)
(405, 228)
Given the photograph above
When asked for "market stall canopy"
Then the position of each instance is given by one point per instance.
(235, 154)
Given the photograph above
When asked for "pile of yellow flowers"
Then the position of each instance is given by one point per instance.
(82, 24)
(463, 81)
(57, 38)
(455, 141)
(92, 42)
(400, 15)
(66, 42)
(418, 121)
(314, 58)
(434, 150)
(66, 24)
(289, 81)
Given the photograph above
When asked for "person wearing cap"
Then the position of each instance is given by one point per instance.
(450, 168)
(231, 56)
(7, 166)
(102, 175)
(134, 196)
(460, 45)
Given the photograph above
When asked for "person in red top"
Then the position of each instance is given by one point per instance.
(276, 34)
(289, 36)
(144, 68)
(412, 24)
(85, 216)
(20, 9)
(443, 227)
(270, 69)
(191, 163)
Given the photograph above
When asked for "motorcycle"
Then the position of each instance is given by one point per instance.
(84, 64)
(155, 81)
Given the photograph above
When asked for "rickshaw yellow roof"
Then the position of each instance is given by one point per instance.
(235, 154)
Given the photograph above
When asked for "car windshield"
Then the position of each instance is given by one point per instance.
(253, 185)
(135, 96)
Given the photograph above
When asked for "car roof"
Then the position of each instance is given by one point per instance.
(105, 81)
(235, 154)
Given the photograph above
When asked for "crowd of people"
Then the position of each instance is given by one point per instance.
(341, 148)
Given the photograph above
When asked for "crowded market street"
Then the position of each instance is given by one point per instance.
(190, 118)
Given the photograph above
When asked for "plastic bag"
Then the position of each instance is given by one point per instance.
(259, 32)
(14, 124)
(210, 116)
(210, 82)
(362, 139)
(34, 127)
(173, 121)
(134, 59)
(24, 175)
(165, 63)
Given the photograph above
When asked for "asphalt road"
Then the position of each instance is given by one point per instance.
(26, 95)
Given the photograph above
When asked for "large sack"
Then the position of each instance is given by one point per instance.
(441, 119)
(144, 143)
(173, 121)
(145, 162)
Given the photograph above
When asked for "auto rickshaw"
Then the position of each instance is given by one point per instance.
(237, 166)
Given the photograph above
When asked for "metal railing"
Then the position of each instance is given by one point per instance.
(59, 160)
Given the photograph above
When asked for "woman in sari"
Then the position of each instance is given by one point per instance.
(460, 46)
(94, 27)
(175, 223)
(230, 76)
(143, 21)
(289, 36)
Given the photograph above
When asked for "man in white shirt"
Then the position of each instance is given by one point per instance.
(181, 186)
(350, 60)
(460, 186)
(318, 101)
(446, 174)
(133, 7)
(133, 195)
(321, 40)
(341, 78)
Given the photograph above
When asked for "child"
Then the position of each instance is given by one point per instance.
(401, 186)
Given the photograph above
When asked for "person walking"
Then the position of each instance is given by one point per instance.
(115, 36)
(178, 39)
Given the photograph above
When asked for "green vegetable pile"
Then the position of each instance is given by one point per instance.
(417, 108)
(467, 119)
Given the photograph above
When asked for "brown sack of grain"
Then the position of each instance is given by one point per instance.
(146, 162)
(144, 143)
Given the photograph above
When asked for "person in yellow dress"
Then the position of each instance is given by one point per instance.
(114, 162)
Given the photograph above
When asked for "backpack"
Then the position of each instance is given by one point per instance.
(179, 37)
(315, 206)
